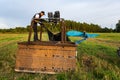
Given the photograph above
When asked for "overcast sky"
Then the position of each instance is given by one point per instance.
(15, 13)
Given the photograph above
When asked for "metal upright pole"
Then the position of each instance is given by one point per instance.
(30, 33)
(41, 32)
(63, 32)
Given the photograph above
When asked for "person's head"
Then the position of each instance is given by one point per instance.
(42, 13)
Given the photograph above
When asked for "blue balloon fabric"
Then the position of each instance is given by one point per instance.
(74, 33)
(80, 34)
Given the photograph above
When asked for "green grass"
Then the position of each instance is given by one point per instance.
(97, 59)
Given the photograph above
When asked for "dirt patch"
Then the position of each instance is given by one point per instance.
(88, 62)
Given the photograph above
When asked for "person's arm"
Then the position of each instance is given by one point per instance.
(37, 16)
(38, 19)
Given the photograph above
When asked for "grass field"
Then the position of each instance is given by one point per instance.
(97, 59)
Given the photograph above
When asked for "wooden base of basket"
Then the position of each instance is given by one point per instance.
(45, 57)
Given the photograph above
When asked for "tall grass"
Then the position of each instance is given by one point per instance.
(96, 59)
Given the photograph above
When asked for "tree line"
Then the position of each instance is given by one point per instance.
(70, 25)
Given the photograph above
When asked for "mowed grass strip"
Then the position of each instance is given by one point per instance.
(108, 39)
(111, 36)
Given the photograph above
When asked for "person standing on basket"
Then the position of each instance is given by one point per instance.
(34, 22)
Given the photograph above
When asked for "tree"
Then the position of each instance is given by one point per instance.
(118, 26)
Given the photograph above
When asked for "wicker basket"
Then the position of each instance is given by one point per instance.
(45, 57)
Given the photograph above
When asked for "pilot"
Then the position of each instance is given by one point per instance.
(34, 22)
